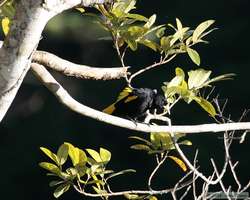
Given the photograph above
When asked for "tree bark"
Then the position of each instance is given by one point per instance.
(29, 21)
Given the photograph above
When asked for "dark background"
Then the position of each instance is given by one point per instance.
(37, 119)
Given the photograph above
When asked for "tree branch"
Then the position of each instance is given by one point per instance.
(74, 105)
(29, 21)
(80, 71)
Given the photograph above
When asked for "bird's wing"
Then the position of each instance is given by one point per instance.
(125, 94)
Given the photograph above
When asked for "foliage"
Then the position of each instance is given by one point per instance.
(88, 168)
(161, 144)
(189, 90)
(130, 29)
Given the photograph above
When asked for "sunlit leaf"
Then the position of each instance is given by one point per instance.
(178, 161)
(105, 155)
(62, 153)
(131, 196)
(132, 44)
(136, 31)
(5, 25)
(50, 167)
(150, 44)
(151, 21)
(61, 189)
(179, 72)
(77, 156)
(95, 155)
(160, 32)
(51, 155)
(129, 5)
(206, 105)
(137, 17)
(161, 141)
(201, 28)
(186, 142)
(196, 78)
(179, 25)
(81, 10)
(220, 78)
(165, 43)
(194, 55)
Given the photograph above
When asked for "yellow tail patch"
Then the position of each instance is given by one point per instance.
(110, 109)
(130, 99)
(125, 92)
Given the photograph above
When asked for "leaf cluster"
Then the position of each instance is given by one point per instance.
(87, 168)
(189, 90)
(129, 29)
(161, 144)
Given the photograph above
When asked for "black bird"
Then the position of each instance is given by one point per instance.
(133, 103)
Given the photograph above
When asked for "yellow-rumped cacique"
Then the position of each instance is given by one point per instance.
(133, 103)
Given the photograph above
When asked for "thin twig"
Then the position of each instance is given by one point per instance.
(155, 170)
(150, 67)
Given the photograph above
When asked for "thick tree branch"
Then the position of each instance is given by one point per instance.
(80, 71)
(29, 21)
(74, 105)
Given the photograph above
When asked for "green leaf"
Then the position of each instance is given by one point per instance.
(105, 155)
(81, 10)
(161, 141)
(200, 29)
(137, 17)
(61, 189)
(179, 25)
(55, 183)
(140, 147)
(178, 161)
(160, 32)
(50, 167)
(77, 156)
(99, 191)
(165, 43)
(51, 155)
(62, 153)
(180, 72)
(95, 155)
(220, 78)
(151, 21)
(136, 31)
(131, 196)
(196, 78)
(186, 142)
(121, 173)
(206, 105)
(5, 25)
(141, 139)
(195, 57)
(132, 44)
(149, 43)
(129, 5)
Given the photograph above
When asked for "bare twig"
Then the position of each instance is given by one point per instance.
(155, 170)
(150, 67)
